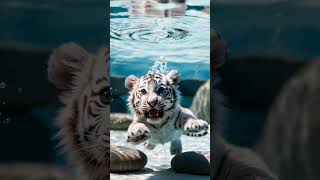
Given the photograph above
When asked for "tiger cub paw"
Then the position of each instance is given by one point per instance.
(196, 125)
(175, 147)
(138, 133)
(149, 145)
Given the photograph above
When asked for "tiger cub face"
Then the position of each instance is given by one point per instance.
(84, 82)
(152, 95)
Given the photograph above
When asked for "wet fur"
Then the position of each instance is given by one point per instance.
(175, 121)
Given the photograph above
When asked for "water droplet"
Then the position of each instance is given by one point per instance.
(2, 85)
(3, 102)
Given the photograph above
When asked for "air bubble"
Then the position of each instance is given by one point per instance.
(159, 66)
(20, 90)
(2, 85)
(7, 121)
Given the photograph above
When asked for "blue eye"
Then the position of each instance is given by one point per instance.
(161, 90)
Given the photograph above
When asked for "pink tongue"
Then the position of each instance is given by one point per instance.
(153, 113)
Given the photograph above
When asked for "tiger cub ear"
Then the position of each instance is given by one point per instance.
(174, 77)
(64, 63)
(130, 82)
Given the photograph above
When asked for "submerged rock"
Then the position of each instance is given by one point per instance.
(120, 121)
(192, 162)
(201, 102)
(125, 159)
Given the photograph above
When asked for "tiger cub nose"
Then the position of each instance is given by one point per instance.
(153, 102)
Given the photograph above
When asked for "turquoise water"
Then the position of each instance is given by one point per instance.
(279, 28)
(286, 28)
(46, 23)
(184, 41)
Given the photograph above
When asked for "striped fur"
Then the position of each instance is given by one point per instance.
(157, 114)
(83, 79)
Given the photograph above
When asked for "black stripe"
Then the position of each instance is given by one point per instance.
(165, 122)
(83, 109)
(87, 132)
(170, 108)
(101, 79)
(174, 94)
(98, 104)
(91, 113)
(175, 122)
(153, 126)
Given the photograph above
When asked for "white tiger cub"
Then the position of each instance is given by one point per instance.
(83, 79)
(157, 115)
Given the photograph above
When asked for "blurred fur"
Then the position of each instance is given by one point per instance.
(290, 142)
(83, 79)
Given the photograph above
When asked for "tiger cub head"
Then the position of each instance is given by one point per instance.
(84, 83)
(153, 95)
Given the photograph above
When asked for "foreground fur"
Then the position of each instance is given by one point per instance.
(290, 141)
(157, 115)
(84, 81)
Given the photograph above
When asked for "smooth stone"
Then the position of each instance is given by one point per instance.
(120, 121)
(201, 102)
(125, 159)
(192, 162)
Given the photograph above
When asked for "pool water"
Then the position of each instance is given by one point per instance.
(160, 157)
(177, 34)
(183, 39)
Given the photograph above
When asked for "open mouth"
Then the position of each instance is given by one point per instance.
(154, 113)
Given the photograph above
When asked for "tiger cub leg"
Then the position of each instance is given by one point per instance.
(175, 147)
(137, 133)
(149, 145)
(195, 125)
(188, 122)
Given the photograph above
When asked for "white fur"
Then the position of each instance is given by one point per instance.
(170, 127)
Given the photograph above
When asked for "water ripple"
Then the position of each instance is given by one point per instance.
(179, 39)
(138, 41)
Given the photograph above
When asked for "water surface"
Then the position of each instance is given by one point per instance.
(184, 41)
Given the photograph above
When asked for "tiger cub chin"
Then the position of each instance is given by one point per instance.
(157, 115)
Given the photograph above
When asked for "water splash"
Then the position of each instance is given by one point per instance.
(151, 30)
(159, 66)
